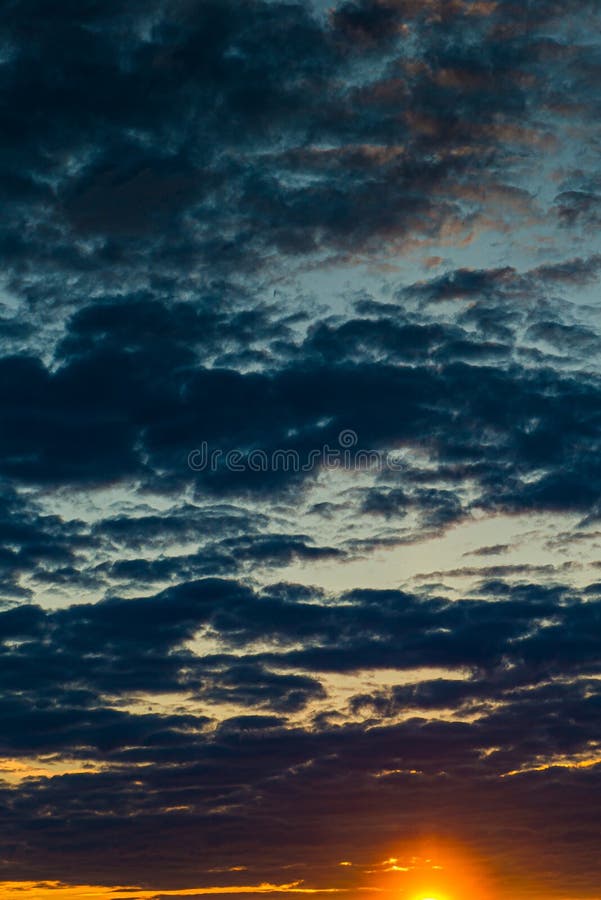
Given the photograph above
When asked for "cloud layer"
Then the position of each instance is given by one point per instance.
(266, 227)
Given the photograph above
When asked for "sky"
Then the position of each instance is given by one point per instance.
(300, 409)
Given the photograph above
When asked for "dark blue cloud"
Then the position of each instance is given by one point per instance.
(260, 225)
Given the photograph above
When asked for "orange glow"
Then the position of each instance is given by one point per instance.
(55, 890)
(429, 898)
(431, 869)
(558, 762)
(14, 771)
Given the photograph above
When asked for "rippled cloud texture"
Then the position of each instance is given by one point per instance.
(268, 230)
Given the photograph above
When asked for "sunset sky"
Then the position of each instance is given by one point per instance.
(300, 469)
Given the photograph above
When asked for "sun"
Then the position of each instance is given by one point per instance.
(430, 895)
(431, 867)
(427, 895)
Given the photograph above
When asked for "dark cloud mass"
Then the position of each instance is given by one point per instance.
(300, 415)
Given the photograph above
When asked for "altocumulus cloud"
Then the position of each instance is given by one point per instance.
(260, 225)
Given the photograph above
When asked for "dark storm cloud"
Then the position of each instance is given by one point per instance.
(182, 523)
(252, 685)
(309, 832)
(530, 654)
(114, 413)
(33, 542)
(178, 332)
(142, 141)
(141, 645)
(498, 283)
(184, 103)
(227, 557)
(130, 406)
(164, 164)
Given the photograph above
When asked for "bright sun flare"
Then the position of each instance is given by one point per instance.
(430, 897)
